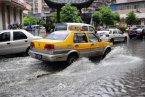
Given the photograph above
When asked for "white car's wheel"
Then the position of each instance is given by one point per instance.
(125, 39)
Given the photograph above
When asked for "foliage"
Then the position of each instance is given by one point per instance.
(70, 14)
(30, 20)
(116, 16)
(131, 18)
(97, 18)
(106, 16)
(122, 28)
(26, 20)
(41, 22)
(54, 17)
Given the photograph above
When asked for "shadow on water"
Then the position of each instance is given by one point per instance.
(13, 55)
(53, 67)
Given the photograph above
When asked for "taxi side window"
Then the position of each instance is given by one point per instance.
(93, 38)
(80, 38)
(5, 37)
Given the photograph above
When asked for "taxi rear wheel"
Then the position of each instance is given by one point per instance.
(108, 50)
(71, 58)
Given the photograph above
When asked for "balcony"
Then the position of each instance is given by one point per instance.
(17, 3)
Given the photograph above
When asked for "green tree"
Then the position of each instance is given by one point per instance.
(29, 20)
(26, 20)
(33, 20)
(107, 16)
(54, 17)
(116, 16)
(70, 14)
(131, 18)
(97, 18)
(41, 22)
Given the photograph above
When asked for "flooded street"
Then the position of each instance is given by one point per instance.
(120, 74)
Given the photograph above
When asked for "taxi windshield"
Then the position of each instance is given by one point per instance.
(58, 35)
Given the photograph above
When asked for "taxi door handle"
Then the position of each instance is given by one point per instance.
(26, 40)
(92, 44)
(76, 45)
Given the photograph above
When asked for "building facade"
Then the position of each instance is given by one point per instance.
(39, 8)
(96, 5)
(11, 12)
(123, 7)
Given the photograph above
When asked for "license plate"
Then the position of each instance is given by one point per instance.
(38, 56)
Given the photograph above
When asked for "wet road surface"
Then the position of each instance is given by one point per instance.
(120, 74)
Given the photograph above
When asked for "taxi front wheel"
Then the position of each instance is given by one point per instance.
(71, 58)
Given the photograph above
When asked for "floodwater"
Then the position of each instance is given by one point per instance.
(120, 74)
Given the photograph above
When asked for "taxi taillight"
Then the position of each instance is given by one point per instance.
(49, 46)
(32, 44)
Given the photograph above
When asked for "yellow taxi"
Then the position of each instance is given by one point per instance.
(69, 46)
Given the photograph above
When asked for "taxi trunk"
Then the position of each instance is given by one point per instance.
(45, 44)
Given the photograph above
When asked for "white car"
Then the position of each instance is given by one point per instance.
(15, 41)
(112, 35)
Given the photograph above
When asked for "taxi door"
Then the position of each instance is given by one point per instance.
(81, 44)
(95, 45)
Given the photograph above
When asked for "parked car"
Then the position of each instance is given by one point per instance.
(15, 41)
(137, 33)
(143, 32)
(69, 46)
(134, 26)
(74, 27)
(112, 35)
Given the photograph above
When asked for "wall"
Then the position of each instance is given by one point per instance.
(1, 25)
(12, 15)
(17, 16)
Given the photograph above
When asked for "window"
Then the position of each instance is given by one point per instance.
(136, 6)
(91, 29)
(59, 27)
(114, 31)
(58, 35)
(84, 28)
(80, 38)
(92, 37)
(120, 32)
(19, 36)
(5, 37)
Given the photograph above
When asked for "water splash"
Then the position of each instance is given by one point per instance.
(84, 65)
(120, 56)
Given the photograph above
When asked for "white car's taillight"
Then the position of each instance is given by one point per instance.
(32, 45)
